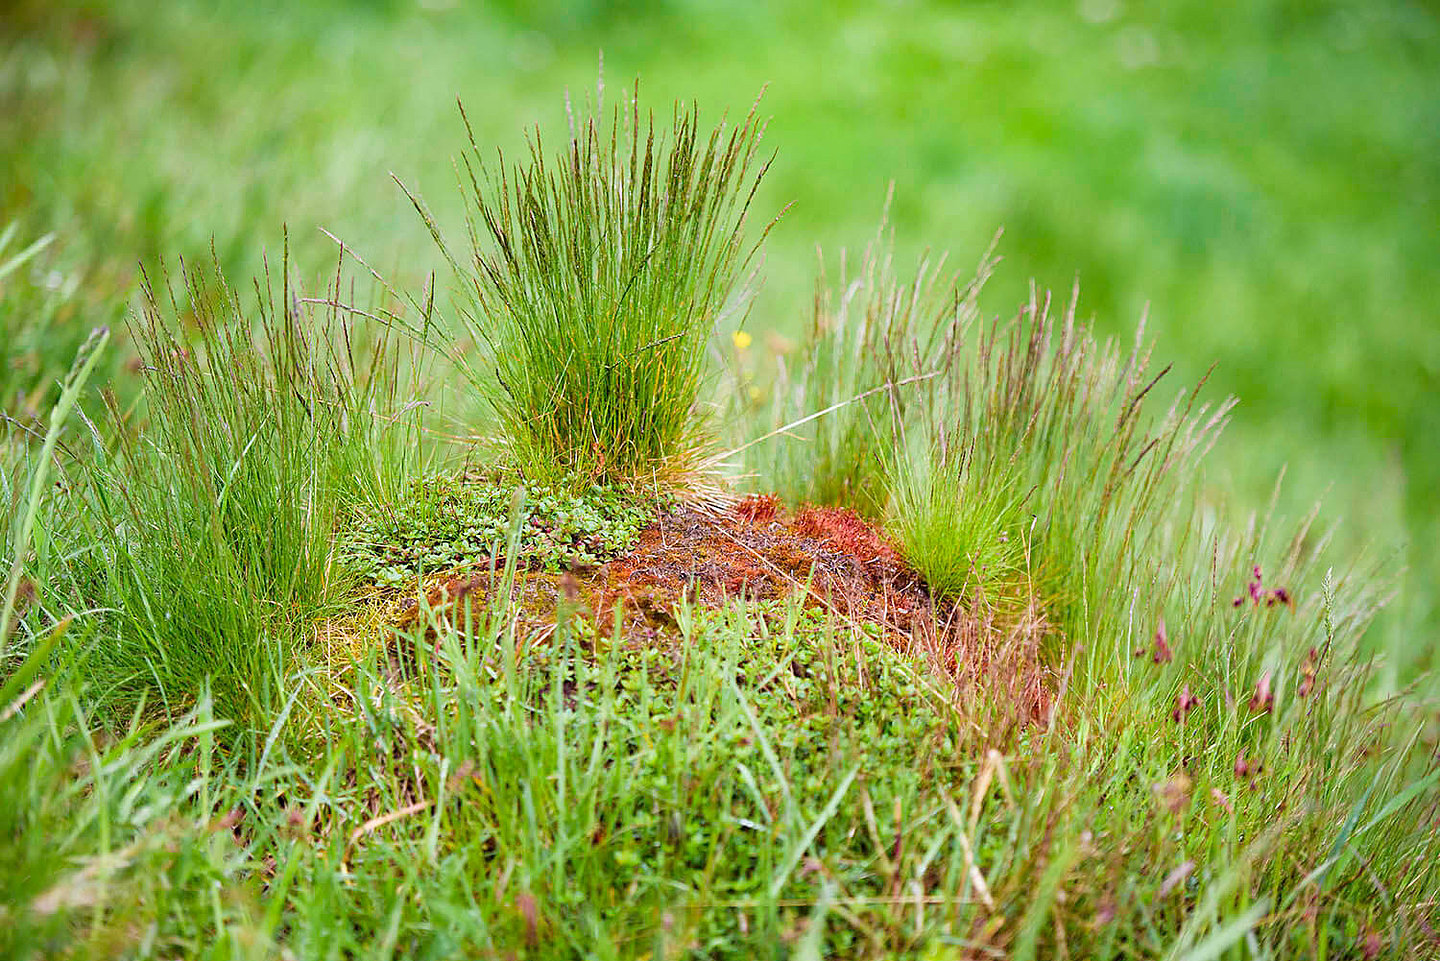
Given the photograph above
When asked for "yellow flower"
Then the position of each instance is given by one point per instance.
(742, 339)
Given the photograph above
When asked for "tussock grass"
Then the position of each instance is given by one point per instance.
(1190, 648)
(209, 514)
(1051, 492)
(964, 531)
(1044, 446)
(1076, 421)
(594, 281)
(877, 361)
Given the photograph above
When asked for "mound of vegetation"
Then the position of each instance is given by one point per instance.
(279, 680)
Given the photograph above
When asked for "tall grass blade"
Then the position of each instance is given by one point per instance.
(80, 371)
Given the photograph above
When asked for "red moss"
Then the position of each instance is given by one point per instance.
(844, 530)
(446, 596)
(758, 508)
(831, 557)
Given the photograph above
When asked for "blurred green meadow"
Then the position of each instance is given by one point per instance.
(1263, 176)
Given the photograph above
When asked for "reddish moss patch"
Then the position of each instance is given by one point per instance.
(758, 508)
(844, 530)
(831, 557)
(834, 558)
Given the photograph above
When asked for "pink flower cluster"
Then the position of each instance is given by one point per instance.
(1260, 595)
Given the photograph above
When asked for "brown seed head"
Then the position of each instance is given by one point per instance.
(1307, 674)
(1174, 792)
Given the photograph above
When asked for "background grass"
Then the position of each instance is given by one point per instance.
(1266, 176)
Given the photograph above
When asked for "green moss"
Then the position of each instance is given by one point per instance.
(449, 521)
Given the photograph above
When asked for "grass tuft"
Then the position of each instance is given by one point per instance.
(209, 512)
(962, 530)
(595, 279)
(879, 357)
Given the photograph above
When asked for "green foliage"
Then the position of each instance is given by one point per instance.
(1037, 414)
(772, 771)
(528, 794)
(731, 780)
(43, 314)
(1127, 154)
(879, 354)
(208, 523)
(962, 529)
(107, 825)
(596, 279)
(445, 521)
(25, 483)
(1222, 770)
(750, 710)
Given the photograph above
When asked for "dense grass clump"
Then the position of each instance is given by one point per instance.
(878, 359)
(962, 530)
(1030, 443)
(595, 279)
(209, 514)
